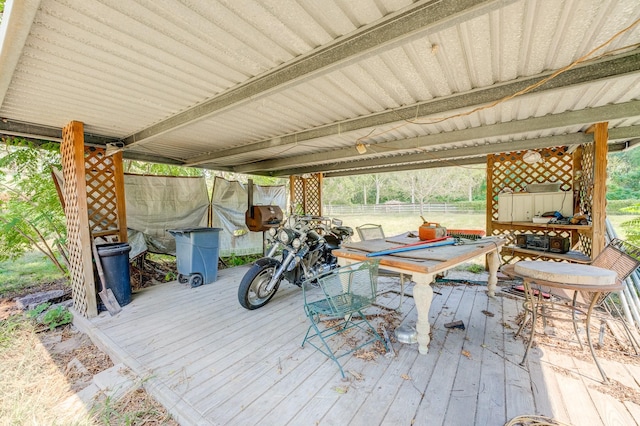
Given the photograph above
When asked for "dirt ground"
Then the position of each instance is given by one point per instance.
(78, 359)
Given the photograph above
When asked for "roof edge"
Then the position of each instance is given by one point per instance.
(15, 27)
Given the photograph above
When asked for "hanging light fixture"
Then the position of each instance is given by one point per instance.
(532, 157)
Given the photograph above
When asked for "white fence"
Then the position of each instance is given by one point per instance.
(393, 208)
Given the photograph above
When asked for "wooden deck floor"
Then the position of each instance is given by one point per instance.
(209, 361)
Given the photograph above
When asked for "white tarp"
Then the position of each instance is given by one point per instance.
(229, 202)
(157, 203)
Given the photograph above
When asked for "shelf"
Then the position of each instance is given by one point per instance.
(570, 256)
(512, 225)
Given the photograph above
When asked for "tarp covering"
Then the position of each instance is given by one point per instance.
(157, 203)
(229, 201)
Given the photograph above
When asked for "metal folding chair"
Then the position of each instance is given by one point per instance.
(372, 231)
(331, 303)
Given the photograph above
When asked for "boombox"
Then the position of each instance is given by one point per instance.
(543, 243)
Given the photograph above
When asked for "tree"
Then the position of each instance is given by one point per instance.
(623, 171)
(632, 227)
(339, 190)
(31, 215)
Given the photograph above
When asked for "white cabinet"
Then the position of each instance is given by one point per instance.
(521, 207)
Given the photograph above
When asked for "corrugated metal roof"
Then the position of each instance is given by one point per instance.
(273, 86)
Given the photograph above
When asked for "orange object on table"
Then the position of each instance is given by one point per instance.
(431, 231)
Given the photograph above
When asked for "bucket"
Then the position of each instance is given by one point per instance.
(431, 231)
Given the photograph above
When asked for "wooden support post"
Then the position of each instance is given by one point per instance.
(598, 212)
(490, 196)
(318, 181)
(77, 217)
(575, 187)
(121, 209)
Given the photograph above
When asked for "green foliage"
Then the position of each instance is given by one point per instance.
(38, 310)
(616, 207)
(140, 167)
(56, 317)
(624, 175)
(475, 268)
(632, 227)
(52, 318)
(30, 270)
(238, 260)
(30, 212)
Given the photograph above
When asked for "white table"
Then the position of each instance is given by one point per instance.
(423, 265)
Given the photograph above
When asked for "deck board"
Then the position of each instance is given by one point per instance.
(209, 361)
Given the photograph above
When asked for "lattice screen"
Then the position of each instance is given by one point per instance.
(106, 215)
(306, 194)
(508, 170)
(585, 180)
(80, 263)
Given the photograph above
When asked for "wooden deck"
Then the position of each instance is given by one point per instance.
(209, 361)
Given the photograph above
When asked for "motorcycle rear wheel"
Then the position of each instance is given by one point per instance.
(252, 292)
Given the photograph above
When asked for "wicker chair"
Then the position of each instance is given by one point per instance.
(340, 295)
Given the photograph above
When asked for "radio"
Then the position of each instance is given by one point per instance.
(559, 244)
(543, 243)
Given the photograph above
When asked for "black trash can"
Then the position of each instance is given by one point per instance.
(115, 263)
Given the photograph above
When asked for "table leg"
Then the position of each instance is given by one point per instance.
(493, 261)
(423, 295)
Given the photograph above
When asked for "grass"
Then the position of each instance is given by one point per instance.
(29, 271)
(398, 223)
(33, 388)
(36, 391)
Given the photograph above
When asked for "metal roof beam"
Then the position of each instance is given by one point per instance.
(613, 147)
(608, 68)
(617, 134)
(412, 166)
(569, 118)
(428, 15)
(53, 134)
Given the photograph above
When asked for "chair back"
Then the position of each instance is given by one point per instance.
(347, 289)
(619, 256)
(370, 231)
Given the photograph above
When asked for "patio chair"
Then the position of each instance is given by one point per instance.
(372, 231)
(619, 256)
(334, 298)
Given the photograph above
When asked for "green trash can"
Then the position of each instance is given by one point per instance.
(197, 254)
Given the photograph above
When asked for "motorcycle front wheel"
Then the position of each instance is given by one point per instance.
(252, 293)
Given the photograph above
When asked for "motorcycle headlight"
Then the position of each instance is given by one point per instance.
(296, 243)
(272, 232)
(284, 236)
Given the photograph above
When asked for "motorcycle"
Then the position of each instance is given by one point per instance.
(300, 250)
